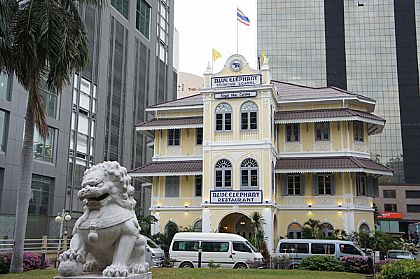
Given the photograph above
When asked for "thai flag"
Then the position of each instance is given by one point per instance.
(242, 18)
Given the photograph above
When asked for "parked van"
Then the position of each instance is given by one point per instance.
(298, 249)
(228, 250)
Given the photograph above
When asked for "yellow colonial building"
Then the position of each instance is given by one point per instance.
(249, 144)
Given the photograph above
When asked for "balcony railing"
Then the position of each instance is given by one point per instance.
(177, 202)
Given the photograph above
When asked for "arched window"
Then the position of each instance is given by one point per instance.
(223, 174)
(294, 231)
(364, 228)
(327, 229)
(223, 117)
(198, 226)
(249, 116)
(249, 173)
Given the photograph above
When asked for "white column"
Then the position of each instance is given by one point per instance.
(206, 221)
(349, 221)
(268, 228)
(155, 228)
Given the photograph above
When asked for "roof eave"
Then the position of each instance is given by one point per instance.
(152, 174)
(329, 170)
(172, 127)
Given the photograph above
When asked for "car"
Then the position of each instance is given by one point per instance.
(190, 249)
(399, 255)
(155, 255)
(298, 249)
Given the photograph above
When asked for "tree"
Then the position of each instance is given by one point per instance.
(146, 224)
(312, 229)
(40, 40)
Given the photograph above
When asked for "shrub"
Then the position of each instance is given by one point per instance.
(322, 263)
(355, 264)
(381, 263)
(281, 262)
(404, 269)
(31, 261)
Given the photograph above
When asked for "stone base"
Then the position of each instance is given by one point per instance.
(147, 275)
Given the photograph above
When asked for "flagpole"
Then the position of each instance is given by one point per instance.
(237, 34)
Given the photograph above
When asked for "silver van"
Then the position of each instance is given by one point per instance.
(224, 249)
(155, 255)
(298, 249)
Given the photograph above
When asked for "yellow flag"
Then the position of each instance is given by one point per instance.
(216, 55)
(264, 58)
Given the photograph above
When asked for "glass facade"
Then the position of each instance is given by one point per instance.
(143, 18)
(3, 87)
(302, 40)
(4, 120)
(121, 6)
(292, 36)
(41, 190)
(44, 148)
(50, 101)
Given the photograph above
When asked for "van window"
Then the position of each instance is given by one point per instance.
(349, 249)
(215, 246)
(241, 247)
(322, 248)
(185, 246)
(294, 248)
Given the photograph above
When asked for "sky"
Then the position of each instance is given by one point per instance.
(207, 24)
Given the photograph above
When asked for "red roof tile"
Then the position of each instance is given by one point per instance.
(172, 121)
(330, 163)
(169, 167)
(325, 113)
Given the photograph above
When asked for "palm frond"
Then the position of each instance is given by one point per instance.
(7, 11)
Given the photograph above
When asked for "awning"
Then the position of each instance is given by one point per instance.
(168, 168)
(171, 123)
(330, 164)
(375, 123)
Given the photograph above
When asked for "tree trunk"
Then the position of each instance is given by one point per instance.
(24, 190)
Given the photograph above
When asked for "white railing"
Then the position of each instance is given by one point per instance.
(177, 202)
(43, 245)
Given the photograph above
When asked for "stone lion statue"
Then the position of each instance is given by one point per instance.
(106, 238)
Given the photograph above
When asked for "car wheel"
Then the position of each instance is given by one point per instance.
(186, 265)
(240, 266)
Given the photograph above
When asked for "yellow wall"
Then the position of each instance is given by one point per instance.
(341, 139)
(187, 147)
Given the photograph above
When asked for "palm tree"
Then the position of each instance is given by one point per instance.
(39, 40)
(312, 229)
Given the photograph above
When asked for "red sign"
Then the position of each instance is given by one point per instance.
(390, 215)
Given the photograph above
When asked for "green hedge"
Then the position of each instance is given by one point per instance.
(321, 263)
(403, 269)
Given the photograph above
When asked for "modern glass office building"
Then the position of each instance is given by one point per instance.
(130, 67)
(365, 46)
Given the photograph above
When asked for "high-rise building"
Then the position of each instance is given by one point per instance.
(369, 47)
(130, 67)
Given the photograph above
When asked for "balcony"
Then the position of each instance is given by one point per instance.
(177, 202)
(310, 201)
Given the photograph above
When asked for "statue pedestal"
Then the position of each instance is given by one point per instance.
(147, 275)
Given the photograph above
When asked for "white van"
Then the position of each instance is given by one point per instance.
(228, 250)
(298, 249)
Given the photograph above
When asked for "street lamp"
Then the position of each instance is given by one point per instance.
(61, 219)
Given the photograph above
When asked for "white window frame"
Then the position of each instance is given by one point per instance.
(324, 188)
(173, 138)
(222, 166)
(294, 186)
(223, 109)
(323, 127)
(249, 165)
(246, 109)
(292, 135)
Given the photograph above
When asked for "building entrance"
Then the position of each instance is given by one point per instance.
(236, 223)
